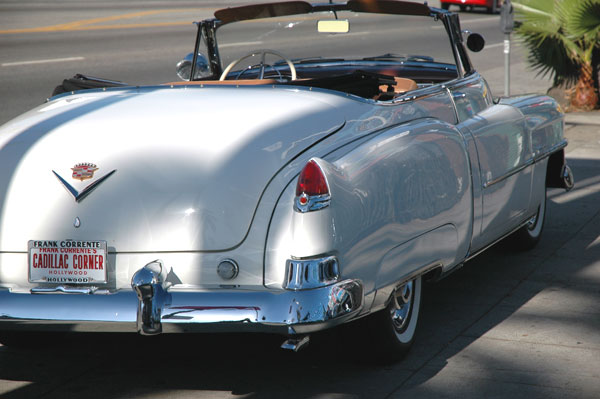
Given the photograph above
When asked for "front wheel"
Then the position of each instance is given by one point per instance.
(529, 235)
(445, 6)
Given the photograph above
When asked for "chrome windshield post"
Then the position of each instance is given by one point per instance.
(196, 49)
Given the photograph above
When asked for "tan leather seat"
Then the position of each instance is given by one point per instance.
(401, 86)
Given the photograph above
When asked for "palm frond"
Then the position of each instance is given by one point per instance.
(537, 17)
(537, 11)
(531, 10)
(549, 58)
(552, 51)
(583, 19)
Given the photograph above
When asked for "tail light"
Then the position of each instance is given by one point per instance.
(312, 190)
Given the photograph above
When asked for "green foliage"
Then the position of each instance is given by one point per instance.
(549, 57)
(561, 35)
(584, 20)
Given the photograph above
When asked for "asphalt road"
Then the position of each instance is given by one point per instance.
(137, 42)
(508, 324)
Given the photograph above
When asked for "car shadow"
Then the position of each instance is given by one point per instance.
(456, 312)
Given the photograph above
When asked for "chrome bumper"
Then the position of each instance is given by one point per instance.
(150, 308)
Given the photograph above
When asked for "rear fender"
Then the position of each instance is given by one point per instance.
(389, 197)
(393, 190)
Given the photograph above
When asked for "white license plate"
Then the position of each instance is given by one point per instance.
(67, 261)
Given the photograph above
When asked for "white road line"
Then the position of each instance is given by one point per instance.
(476, 20)
(356, 34)
(465, 22)
(240, 44)
(487, 46)
(43, 61)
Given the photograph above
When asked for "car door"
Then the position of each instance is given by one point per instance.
(501, 159)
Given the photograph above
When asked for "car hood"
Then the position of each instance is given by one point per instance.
(178, 168)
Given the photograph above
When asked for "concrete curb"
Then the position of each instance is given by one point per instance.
(583, 118)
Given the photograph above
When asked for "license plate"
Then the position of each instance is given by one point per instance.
(67, 262)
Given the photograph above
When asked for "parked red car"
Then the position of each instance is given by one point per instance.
(493, 6)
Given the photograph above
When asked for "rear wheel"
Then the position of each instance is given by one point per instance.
(387, 335)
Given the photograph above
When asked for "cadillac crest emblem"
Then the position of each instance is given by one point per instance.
(84, 171)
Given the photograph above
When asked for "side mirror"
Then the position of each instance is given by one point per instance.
(184, 67)
(475, 42)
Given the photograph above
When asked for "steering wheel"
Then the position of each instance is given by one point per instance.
(263, 54)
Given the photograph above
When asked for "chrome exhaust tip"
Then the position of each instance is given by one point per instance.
(295, 344)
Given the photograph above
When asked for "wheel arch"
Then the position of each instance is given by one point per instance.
(555, 175)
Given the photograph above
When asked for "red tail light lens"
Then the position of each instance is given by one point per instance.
(312, 191)
(312, 181)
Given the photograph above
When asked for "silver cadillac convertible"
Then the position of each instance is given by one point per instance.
(314, 166)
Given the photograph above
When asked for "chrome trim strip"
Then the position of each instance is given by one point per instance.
(313, 202)
(416, 95)
(528, 163)
(510, 173)
(65, 290)
(552, 150)
(454, 108)
(474, 254)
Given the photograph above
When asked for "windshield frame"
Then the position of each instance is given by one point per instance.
(207, 28)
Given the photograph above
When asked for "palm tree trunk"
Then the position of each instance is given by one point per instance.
(585, 97)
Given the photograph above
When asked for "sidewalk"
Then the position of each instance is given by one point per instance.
(582, 129)
(583, 118)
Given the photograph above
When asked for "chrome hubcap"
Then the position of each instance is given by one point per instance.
(401, 306)
(532, 222)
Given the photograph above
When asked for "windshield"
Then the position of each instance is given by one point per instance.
(370, 38)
